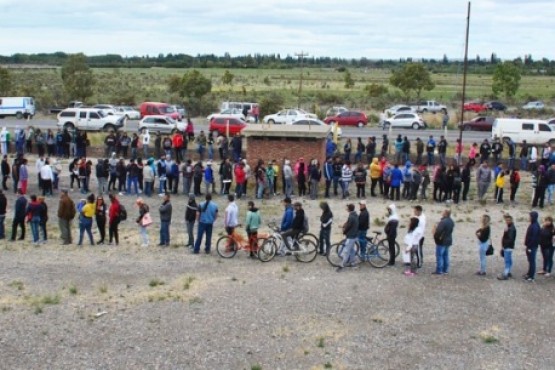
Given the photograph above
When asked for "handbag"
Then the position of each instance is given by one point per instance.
(490, 251)
(146, 220)
(502, 252)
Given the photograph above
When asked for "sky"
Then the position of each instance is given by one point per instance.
(374, 29)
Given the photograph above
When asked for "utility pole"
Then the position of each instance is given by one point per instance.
(464, 77)
(301, 55)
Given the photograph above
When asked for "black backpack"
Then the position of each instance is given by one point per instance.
(122, 213)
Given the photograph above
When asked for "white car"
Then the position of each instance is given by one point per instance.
(162, 124)
(89, 119)
(334, 111)
(533, 105)
(405, 120)
(106, 108)
(128, 112)
(230, 112)
(287, 116)
(399, 108)
(316, 122)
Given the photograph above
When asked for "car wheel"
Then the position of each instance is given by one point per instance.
(415, 126)
(271, 121)
(360, 124)
(467, 128)
(19, 115)
(386, 125)
(69, 126)
(108, 128)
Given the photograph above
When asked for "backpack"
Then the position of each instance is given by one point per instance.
(122, 213)
(305, 224)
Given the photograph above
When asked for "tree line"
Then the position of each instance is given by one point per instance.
(478, 64)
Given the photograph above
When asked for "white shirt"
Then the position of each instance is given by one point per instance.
(231, 215)
(46, 173)
(3, 134)
(422, 224)
(146, 138)
(533, 154)
(39, 164)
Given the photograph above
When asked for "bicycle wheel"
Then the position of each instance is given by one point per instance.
(380, 255)
(334, 254)
(267, 250)
(307, 251)
(397, 248)
(312, 237)
(226, 247)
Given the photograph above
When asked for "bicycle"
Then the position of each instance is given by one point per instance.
(377, 254)
(228, 245)
(370, 240)
(304, 249)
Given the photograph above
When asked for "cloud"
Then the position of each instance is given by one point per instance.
(350, 28)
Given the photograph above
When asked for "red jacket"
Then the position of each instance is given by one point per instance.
(239, 175)
(113, 213)
(177, 141)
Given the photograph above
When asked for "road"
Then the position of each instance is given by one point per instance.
(348, 132)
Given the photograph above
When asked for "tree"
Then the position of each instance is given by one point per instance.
(412, 77)
(376, 90)
(191, 87)
(77, 77)
(349, 82)
(5, 82)
(506, 79)
(227, 78)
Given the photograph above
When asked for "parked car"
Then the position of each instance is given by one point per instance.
(349, 118)
(335, 110)
(401, 120)
(286, 116)
(158, 109)
(316, 122)
(89, 119)
(430, 106)
(19, 106)
(551, 123)
(399, 108)
(128, 112)
(230, 112)
(481, 123)
(474, 106)
(533, 105)
(220, 125)
(163, 124)
(106, 108)
(495, 105)
(534, 131)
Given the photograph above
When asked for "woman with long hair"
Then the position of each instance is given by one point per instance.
(100, 216)
(483, 234)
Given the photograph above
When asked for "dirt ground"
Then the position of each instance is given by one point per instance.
(110, 307)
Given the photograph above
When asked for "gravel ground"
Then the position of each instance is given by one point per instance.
(132, 307)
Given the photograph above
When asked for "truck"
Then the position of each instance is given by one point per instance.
(429, 106)
(89, 119)
(17, 106)
(534, 131)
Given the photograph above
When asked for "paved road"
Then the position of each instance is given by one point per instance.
(352, 132)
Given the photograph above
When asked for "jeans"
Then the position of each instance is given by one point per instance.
(442, 259)
(135, 182)
(186, 185)
(508, 257)
(362, 242)
(547, 254)
(35, 228)
(204, 228)
(325, 243)
(431, 159)
(190, 233)
(165, 233)
(85, 225)
(348, 252)
(2, 229)
(260, 190)
(550, 189)
(314, 189)
(144, 235)
(482, 248)
(523, 163)
(345, 186)
(162, 186)
(531, 255)
(288, 187)
(442, 159)
(148, 188)
(102, 185)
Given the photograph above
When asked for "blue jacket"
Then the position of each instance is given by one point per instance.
(396, 177)
(328, 171)
(330, 148)
(287, 220)
(209, 175)
(532, 239)
(398, 145)
(407, 174)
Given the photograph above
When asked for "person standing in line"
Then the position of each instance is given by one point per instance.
(411, 247)
(86, 215)
(483, 178)
(547, 233)
(165, 210)
(508, 244)
(288, 176)
(419, 151)
(443, 237)
(337, 168)
(142, 221)
(326, 219)
(375, 177)
(430, 148)
(540, 177)
(148, 178)
(66, 213)
(532, 241)
(100, 172)
(3, 207)
(5, 172)
(270, 177)
(390, 230)
(231, 216)
(524, 156)
(33, 212)
(442, 150)
(207, 214)
(43, 219)
(346, 178)
(113, 219)
(350, 230)
(533, 160)
(315, 174)
(23, 176)
(363, 226)
(550, 183)
(465, 179)
(514, 180)
(100, 217)
(190, 218)
(483, 234)
(252, 225)
(419, 213)
(19, 215)
(396, 177)
(145, 139)
(360, 180)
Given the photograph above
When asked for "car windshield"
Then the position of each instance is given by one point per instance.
(171, 121)
(167, 109)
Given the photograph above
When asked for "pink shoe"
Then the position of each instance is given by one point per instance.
(408, 273)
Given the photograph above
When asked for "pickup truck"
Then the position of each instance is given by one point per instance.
(429, 106)
(72, 104)
(89, 119)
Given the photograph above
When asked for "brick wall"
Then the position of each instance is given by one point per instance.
(268, 148)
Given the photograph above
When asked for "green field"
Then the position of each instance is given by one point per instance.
(321, 87)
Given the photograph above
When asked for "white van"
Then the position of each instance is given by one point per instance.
(20, 107)
(534, 131)
(237, 105)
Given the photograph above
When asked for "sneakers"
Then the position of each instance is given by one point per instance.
(480, 273)
(541, 273)
(339, 269)
(502, 277)
(530, 279)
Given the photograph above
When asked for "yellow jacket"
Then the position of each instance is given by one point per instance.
(375, 169)
(88, 210)
(500, 181)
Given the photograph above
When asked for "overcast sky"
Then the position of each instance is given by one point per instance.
(342, 28)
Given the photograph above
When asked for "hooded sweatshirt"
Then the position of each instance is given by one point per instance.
(375, 169)
(533, 232)
(253, 220)
(392, 222)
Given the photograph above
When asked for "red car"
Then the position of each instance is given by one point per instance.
(349, 118)
(475, 107)
(220, 124)
(480, 123)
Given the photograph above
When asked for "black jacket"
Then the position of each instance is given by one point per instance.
(20, 208)
(444, 232)
(3, 204)
(191, 211)
(363, 220)
(546, 236)
(298, 220)
(5, 168)
(509, 237)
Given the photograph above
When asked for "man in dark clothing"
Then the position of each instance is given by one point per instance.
(442, 150)
(19, 216)
(485, 150)
(297, 225)
(237, 146)
(419, 151)
(337, 170)
(443, 237)
(524, 156)
(496, 150)
(370, 149)
(165, 220)
(385, 145)
(363, 226)
(531, 241)
(3, 206)
(508, 244)
(110, 144)
(350, 230)
(328, 176)
(5, 172)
